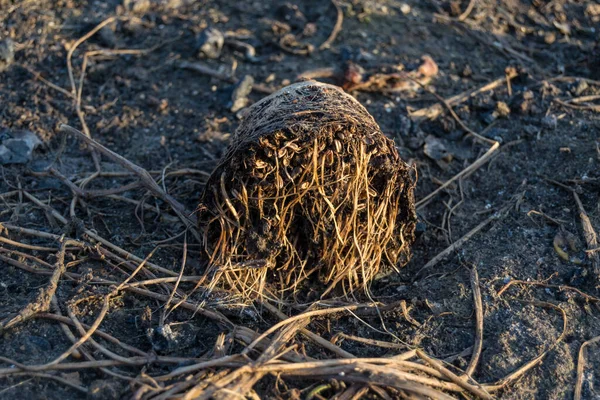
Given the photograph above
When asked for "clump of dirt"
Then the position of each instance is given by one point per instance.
(309, 186)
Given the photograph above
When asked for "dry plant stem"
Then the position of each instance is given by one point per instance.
(364, 367)
(19, 368)
(436, 110)
(312, 336)
(581, 365)
(245, 383)
(537, 360)
(67, 321)
(166, 311)
(64, 327)
(24, 245)
(336, 28)
(53, 377)
(196, 308)
(93, 327)
(43, 300)
(371, 342)
(453, 114)
(206, 70)
(589, 233)
(93, 343)
(54, 363)
(559, 287)
(454, 246)
(89, 233)
(39, 77)
(464, 173)
(467, 11)
(76, 93)
(304, 315)
(454, 378)
(146, 178)
(88, 194)
(478, 323)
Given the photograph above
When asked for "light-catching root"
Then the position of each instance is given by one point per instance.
(309, 187)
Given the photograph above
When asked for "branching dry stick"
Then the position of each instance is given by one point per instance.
(304, 315)
(43, 300)
(147, 180)
(247, 379)
(581, 366)
(312, 336)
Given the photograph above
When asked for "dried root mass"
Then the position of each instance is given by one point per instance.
(309, 187)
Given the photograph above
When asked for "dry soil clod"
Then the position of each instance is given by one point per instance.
(309, 187)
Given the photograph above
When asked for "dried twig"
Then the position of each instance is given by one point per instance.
(479, 392)
(336, 28)
(464, 173)
(591, 239)
(581, 365)
(436, 110)
(478, 323)
(448, 250)
(43, 300)
(186, 217)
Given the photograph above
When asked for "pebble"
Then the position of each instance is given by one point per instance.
(550, 122)
(210, 42)
(579, 87)
(137, 6)
(7, 54)
(239, 96)
(16, 147)
(405, 8)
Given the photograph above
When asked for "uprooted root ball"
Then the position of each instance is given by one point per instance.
(309, 187)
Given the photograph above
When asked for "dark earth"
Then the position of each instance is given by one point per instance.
(165, 118)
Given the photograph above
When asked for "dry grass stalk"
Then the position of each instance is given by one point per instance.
(310, 186)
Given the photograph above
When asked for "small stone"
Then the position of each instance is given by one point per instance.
(593, 10)
(16, 147)
(239, 96)
(137, 6)
(405, 8)
(435, 149)
(579, 87)
(525, 103)
(467, 71)
(550, 122)
(171, 337)
(7, 54)
(502, 109)
(550, 38)
(210, 42)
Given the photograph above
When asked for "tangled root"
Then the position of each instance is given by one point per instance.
(309, 187)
